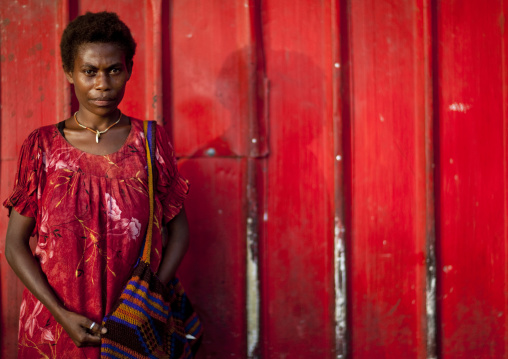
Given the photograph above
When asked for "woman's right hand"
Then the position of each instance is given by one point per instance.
(78, 328)
(27, 268)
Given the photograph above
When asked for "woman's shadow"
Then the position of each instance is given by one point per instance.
(214, 270)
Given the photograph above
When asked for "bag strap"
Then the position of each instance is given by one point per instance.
(149, 131)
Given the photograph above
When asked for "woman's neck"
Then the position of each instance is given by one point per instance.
(96, 122)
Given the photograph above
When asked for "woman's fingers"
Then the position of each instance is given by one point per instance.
(82, 330)
(90, 333)
(95, 328)
(91, 340)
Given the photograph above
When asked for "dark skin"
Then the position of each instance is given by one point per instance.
(100, 75)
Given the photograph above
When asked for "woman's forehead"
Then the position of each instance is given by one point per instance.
(98, 53)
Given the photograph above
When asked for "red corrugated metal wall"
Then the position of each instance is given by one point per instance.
(347, 158)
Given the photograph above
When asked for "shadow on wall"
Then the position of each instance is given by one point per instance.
(294, 178)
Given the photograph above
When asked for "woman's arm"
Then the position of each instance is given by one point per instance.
(178, 242)
(27, 268)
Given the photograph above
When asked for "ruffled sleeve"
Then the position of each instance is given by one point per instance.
(172, 188)
(24, 196)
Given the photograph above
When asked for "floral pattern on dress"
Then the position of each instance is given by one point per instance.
(127, 227)
(91, 215)
(46, 245)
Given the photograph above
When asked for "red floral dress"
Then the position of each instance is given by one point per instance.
(91, 215)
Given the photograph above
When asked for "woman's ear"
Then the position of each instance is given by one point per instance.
(68, 74)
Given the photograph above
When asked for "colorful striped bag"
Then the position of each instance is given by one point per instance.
(151, 320)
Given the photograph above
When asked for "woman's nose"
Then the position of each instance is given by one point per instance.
(102, 81)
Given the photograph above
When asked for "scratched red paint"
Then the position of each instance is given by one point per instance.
(32, 95)
(388, 165)
(472, 188)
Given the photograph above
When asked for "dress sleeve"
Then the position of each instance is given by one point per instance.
(172, 188)
(24, 196)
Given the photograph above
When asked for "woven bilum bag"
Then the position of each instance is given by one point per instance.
(151, 320)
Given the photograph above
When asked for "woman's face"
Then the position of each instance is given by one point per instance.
(99, 76)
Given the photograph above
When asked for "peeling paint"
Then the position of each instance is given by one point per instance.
(459, 107)
(252, 291)
(430, 298)
(447, 269)
(252, 272)
(340, 288)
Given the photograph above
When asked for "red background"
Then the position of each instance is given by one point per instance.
(347, 160)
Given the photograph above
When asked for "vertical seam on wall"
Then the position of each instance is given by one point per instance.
(153, 91)
(72, 12)
(167, 106)
(257, 153)
(433, 184)
(339, 260)
(504, 83)
(343, 174)
(430, 235)
(63, 90)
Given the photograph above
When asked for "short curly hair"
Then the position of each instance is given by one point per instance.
(101, 27)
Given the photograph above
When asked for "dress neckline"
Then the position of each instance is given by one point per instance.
(127, 140)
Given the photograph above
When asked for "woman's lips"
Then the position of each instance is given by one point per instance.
(103, 102)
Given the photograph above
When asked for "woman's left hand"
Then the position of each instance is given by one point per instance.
(83, 331)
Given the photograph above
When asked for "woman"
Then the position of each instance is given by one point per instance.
(81, 187)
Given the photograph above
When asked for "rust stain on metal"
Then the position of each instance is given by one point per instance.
(340, 288)
(430, 298)
(252, 270)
